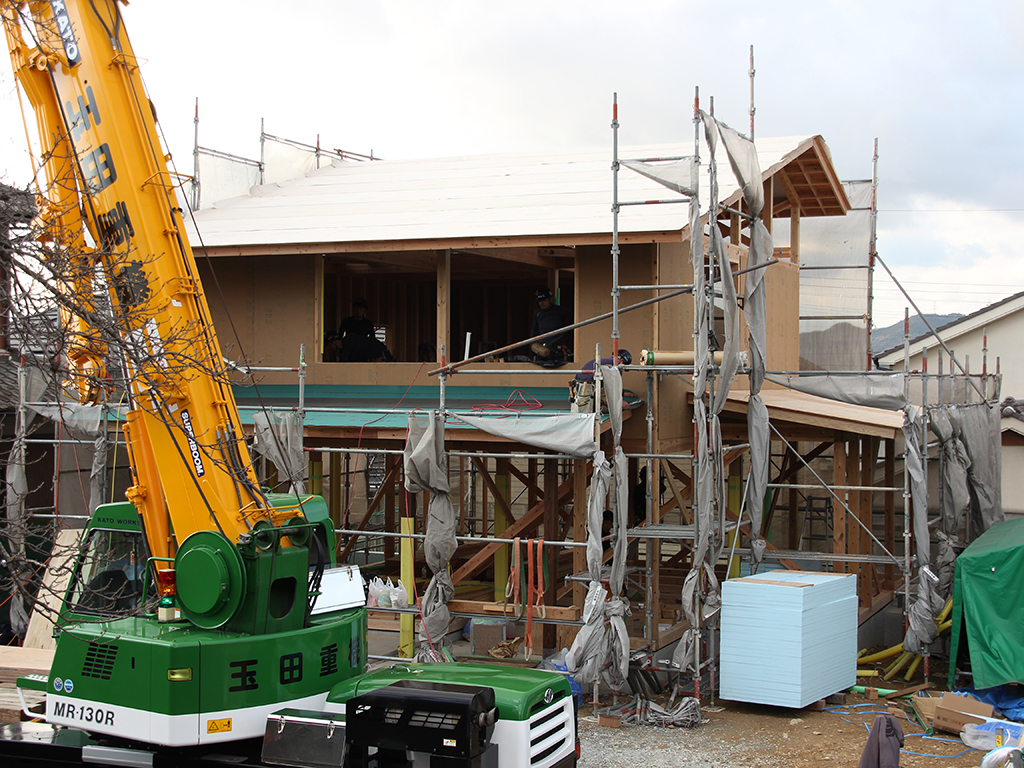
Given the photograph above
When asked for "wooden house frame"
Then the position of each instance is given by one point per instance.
(439, 248)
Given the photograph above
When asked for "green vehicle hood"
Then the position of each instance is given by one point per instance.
(518, 692)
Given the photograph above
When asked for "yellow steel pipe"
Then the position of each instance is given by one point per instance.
(913, 667)
(901, 662)
(895, 650)
(944, 614)
(406, 623)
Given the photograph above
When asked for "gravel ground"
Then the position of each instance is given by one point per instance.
(651, 747)
(736, 735)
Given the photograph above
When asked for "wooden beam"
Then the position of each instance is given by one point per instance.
(455, 243)
(532, 256)
(389, 477)
(529, 521)
(530, 481)
(407, 261)
(499, 498)
(570, 613)
(676, 493)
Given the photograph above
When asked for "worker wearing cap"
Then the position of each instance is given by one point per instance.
(358, 343)
(357, 323)
(548, 317)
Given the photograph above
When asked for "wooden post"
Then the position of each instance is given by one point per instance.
(481, 468)
(444, 268)
(890, 508)
(792, 515)
(579, 533)
(501, 522)
(838, 513)
(337, 510)
(390, 524)
(868, 457)
(794, 234)
(853, 531)
(735, 493)
(532, 496)
(462, 496)
(316, 473)
(551, 553)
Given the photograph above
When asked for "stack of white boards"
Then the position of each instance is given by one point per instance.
(789, 638)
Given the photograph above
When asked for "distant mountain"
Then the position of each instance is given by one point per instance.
(884, 339)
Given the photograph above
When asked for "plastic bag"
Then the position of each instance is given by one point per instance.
(556, 662)
(983, 736)
(373, 592)
(399, 595)
(386, 594)
(1004, 757)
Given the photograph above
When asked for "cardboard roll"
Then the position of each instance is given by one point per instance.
(672, 357)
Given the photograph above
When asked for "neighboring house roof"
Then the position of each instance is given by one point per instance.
(490, 200)
(984, 316)
(1012, 416)
(8, 382)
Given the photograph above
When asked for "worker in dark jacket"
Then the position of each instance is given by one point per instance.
(358, 342)
(549, 317)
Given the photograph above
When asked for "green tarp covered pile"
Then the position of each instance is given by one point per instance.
(988, 606)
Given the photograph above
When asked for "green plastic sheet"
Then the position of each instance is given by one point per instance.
(988, 613)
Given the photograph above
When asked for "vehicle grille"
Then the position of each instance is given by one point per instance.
(551, 733)
(99, 661)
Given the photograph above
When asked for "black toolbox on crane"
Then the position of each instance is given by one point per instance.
(451, 723)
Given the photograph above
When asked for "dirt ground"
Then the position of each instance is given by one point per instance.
(775, 737)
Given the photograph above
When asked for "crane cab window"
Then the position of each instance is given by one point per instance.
(109, 580)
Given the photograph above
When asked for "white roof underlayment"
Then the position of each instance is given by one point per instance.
(485, 196)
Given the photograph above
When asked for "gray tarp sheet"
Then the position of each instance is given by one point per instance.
(601, 648)
(83, 422)
(32, 384)
(571, 434)
(745, 166)
(747, 170)
(969, 442)
(676, 175)
(912, 421)
(875, 390)
(925, 608)
(279, 438)
(979, 426)
(426, 469)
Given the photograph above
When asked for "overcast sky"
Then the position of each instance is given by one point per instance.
(938, 83)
